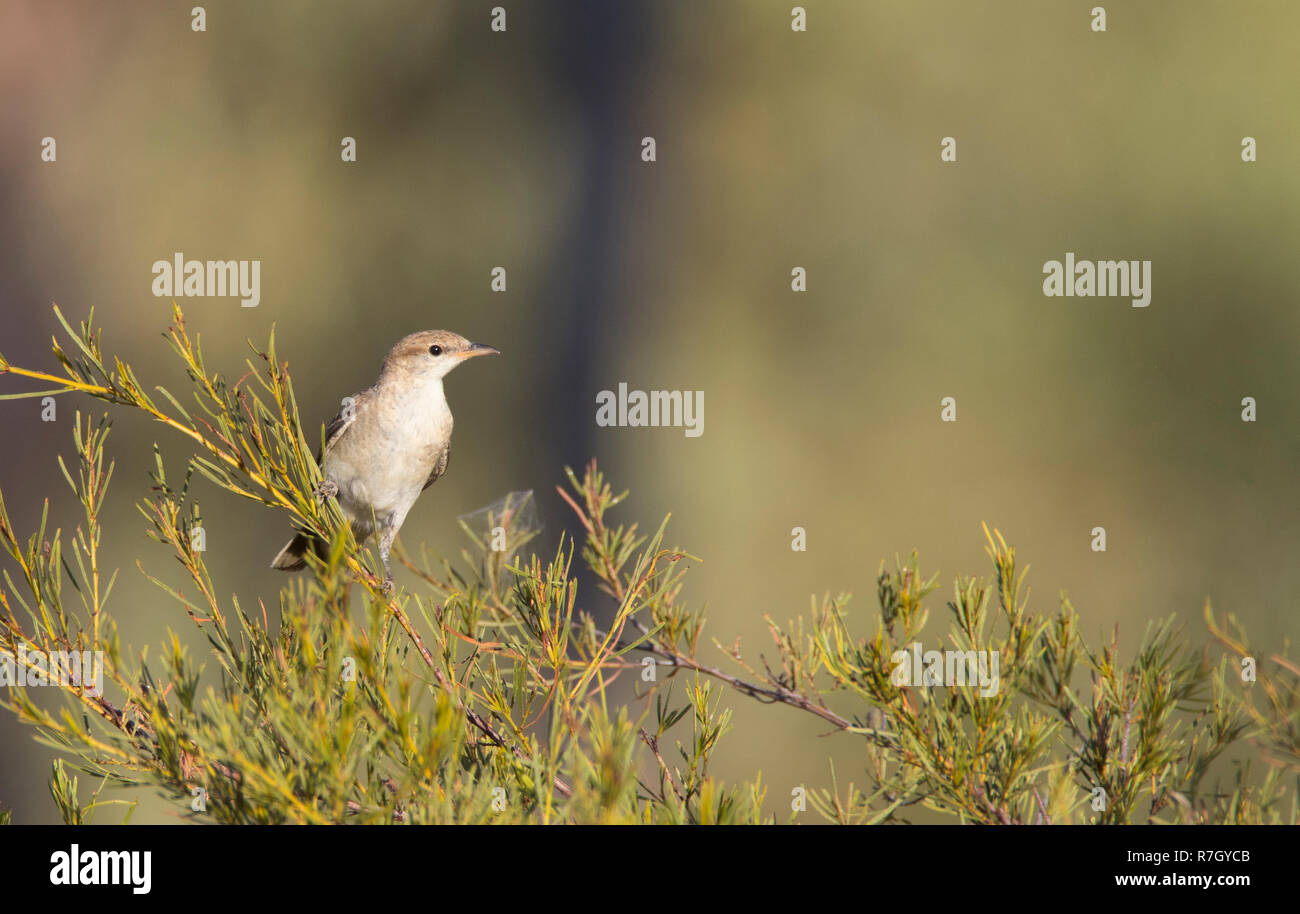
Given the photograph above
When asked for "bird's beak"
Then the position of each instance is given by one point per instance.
(479, 349)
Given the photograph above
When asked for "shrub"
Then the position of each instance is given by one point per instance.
(485, 695)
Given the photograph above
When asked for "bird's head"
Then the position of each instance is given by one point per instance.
(432, 354)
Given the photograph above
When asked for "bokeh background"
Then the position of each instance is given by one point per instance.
(522, 149)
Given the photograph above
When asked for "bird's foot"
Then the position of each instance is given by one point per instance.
(385, 546)
(327, 489)
(387, 586)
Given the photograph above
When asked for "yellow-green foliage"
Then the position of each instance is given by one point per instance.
(484, 696)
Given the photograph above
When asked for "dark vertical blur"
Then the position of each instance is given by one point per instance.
(599, 52)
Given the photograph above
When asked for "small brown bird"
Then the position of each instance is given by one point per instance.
(390, 443)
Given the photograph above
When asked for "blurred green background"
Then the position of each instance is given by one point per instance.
(522, 149)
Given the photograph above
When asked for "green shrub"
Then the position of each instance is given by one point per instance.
(484, 696)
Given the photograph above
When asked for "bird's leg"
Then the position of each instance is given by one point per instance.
(327, 489)
(385, 544)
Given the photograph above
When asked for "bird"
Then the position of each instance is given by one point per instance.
(389, 443)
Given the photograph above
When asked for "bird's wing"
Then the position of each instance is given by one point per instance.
(340, 424)
(439, 467)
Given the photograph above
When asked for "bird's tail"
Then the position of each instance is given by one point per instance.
(291, 557)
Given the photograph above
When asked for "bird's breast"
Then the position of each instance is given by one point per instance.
(384, 459)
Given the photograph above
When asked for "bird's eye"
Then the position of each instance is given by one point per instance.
(435, 349)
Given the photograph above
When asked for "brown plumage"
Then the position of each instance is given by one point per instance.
(390, 442)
